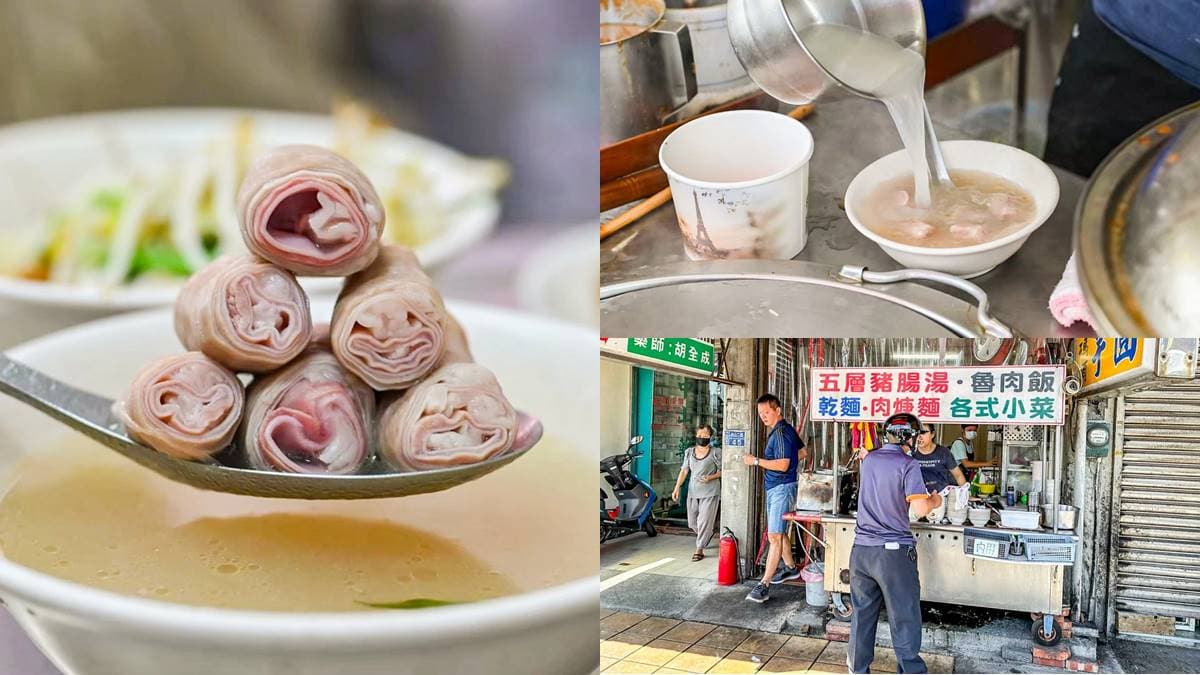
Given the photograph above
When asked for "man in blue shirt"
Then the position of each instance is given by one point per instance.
(883, 562)
(1129, 62)
(780, 462)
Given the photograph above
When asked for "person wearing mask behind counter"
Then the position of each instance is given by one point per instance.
(939, 468)
(703, 462)
(963, 450)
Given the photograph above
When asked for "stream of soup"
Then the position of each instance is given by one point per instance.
(84, 514)
(979, 207)
(615, 32)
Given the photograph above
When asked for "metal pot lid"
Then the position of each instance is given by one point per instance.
(788, 298)
(1137, 231)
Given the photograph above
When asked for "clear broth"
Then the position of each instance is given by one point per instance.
(86, 515)
(979, 207)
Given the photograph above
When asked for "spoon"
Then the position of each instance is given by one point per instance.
(93, 416)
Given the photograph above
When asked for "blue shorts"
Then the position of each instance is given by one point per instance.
(781, 499)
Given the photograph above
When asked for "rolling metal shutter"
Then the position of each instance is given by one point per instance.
(1158, 529)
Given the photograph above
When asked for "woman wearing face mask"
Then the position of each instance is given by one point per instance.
(963, 450)
(703, 462)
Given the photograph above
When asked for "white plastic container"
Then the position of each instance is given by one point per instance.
(1020, 520)
(1015, 164)
(739, 182)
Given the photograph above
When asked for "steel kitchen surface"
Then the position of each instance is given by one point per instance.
(849, 133)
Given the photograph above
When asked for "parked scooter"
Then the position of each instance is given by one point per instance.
(626, 501)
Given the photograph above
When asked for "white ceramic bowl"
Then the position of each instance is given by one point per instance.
(1015, 164)
(979, 517)
(562, 277)
(87, 631)
(42, 162)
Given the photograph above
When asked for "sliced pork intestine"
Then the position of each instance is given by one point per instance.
(458, 415)
(310, 417)
(187, 406)
(311, 211)
(244, 312)
(389, 324)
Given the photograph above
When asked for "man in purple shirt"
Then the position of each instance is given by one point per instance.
(883, 562)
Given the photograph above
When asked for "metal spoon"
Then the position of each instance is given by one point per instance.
(93, 416)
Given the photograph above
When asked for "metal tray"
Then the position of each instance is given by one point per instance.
(765, 298)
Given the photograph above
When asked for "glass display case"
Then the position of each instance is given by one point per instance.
(1023, 462)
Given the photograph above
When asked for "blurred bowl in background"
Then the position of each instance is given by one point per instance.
(561, 278)
(44, 164)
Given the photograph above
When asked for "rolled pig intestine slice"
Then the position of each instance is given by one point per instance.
(311, 417)
(458, 415)
(311, 211)
(389, 323)
(186, 406)
(245, 313)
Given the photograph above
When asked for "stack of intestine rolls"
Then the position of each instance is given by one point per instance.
(389, 384)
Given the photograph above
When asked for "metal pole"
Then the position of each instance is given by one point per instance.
(1058, 452)
(1081, 421)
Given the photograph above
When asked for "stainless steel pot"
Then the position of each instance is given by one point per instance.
(1137, 231)
(646, 75)
(717, 67)
(765, 37)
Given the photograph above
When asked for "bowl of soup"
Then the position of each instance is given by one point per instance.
(111, 568)
(1001, 195)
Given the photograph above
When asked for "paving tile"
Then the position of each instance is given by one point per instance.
(739, 662)
(658, 652)
(724, 637)
(652, 627)
(762, 643)
(834, 652)
(670, 670)
(783, 664)
(822, 667)
(939, 663)
(631, 637)
(617, 650)
(630, 667)
(606, 662)
(697, 659)
(606, 633)
(605, 612)
(689, 632)
(802, 648)
(885, 660)
(619, 621)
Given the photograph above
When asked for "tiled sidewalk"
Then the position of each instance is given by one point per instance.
(635, 643)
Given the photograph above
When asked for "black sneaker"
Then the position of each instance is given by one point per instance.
(759, 594)
(785, 573)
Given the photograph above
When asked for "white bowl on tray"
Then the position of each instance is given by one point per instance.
(88, 631)
(42, 162)
(1014, 164)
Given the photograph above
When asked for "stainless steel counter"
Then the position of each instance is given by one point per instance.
(851, 133)
(949, 575)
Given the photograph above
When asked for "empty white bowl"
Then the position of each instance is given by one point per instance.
(1015, 164)
(979, 517)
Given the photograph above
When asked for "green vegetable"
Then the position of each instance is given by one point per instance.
(415, 603)
(109, 200)
(158, 256)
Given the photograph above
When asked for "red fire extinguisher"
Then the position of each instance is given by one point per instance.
(727, 559)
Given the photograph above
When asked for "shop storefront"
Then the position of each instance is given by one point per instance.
(670, 388)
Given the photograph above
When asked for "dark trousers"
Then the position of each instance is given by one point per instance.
(881, 576)
(1107, 90)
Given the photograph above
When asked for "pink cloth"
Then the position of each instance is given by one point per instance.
(1067, 302)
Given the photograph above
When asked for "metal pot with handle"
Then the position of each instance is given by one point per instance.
(647, 70)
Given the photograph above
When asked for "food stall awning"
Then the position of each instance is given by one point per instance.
(689, 357)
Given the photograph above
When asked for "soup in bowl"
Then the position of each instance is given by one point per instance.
(111, 568)
(1002, 195)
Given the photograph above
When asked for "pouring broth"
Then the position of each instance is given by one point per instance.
(86, 515)
(615, 32)
(979, 207)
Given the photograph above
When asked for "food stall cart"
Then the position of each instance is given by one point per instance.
(1011, 568)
